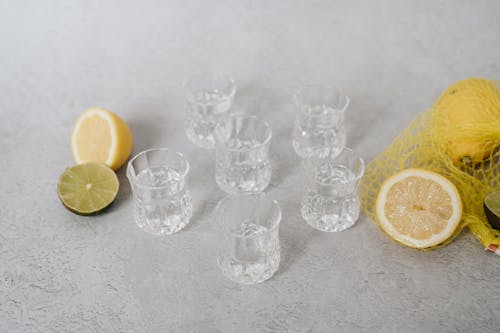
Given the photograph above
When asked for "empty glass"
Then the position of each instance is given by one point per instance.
(249, 248)
(319, 123)
(209, 98)
(162, 204)
(331, 198)
(242, 154)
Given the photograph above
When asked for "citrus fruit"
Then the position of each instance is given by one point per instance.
(492, 209)
(101, 136)
(459, 109)
(418, 208)
(87, 188)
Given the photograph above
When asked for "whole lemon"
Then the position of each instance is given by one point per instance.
(467, 117)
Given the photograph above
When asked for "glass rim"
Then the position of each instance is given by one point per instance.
(346, 99)
(130, 167)
(188, 82)
(357, 175)
(275, 223)
(245, 116)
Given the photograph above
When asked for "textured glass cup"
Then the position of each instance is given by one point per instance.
(162, 204)
(209, 99)
(249, 248)
(242, 154)
(331, 199)
(319, 123)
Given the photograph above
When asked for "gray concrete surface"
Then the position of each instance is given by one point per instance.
(60, 272)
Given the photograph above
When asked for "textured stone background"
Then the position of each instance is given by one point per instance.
(64, 273)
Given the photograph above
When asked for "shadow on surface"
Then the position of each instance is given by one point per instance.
(201, 183)
(124, 190)
(148, 133)
(293, 249)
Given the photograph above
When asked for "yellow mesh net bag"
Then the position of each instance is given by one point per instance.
(459, 138)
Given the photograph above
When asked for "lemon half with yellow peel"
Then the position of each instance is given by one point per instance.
(418, 208)
(101, 136)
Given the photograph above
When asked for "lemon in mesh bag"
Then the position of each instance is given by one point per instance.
(458, 138)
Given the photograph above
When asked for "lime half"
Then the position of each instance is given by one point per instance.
(492, 209)
(88, 188)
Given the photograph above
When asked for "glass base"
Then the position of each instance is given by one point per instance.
(248, 272)
(332, 223)
(233, 188)
(156, 222)
(306, 152)
(250, 178)
(205, 142)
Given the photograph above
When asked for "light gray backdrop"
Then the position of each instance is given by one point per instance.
(60, 272)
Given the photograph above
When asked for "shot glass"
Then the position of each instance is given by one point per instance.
(319, 123)
(242, 154)
(331, 197)
(249, 248)
(209, 99)
(162, 203)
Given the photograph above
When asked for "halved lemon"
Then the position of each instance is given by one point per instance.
(101, 136)
(88, 188)
(418, 208)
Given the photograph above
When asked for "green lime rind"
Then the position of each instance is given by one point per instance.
(492, 209)
(88, 188)
(492, 201)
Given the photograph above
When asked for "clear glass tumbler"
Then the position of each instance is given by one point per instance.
(249, 248)
(162, 203)
(242, 154)
(331, 199)
(209, 99)
(319, 123)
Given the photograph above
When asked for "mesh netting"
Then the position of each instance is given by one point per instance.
(459, 138)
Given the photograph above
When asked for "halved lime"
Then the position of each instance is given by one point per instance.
(492, 209)
(88, 188)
